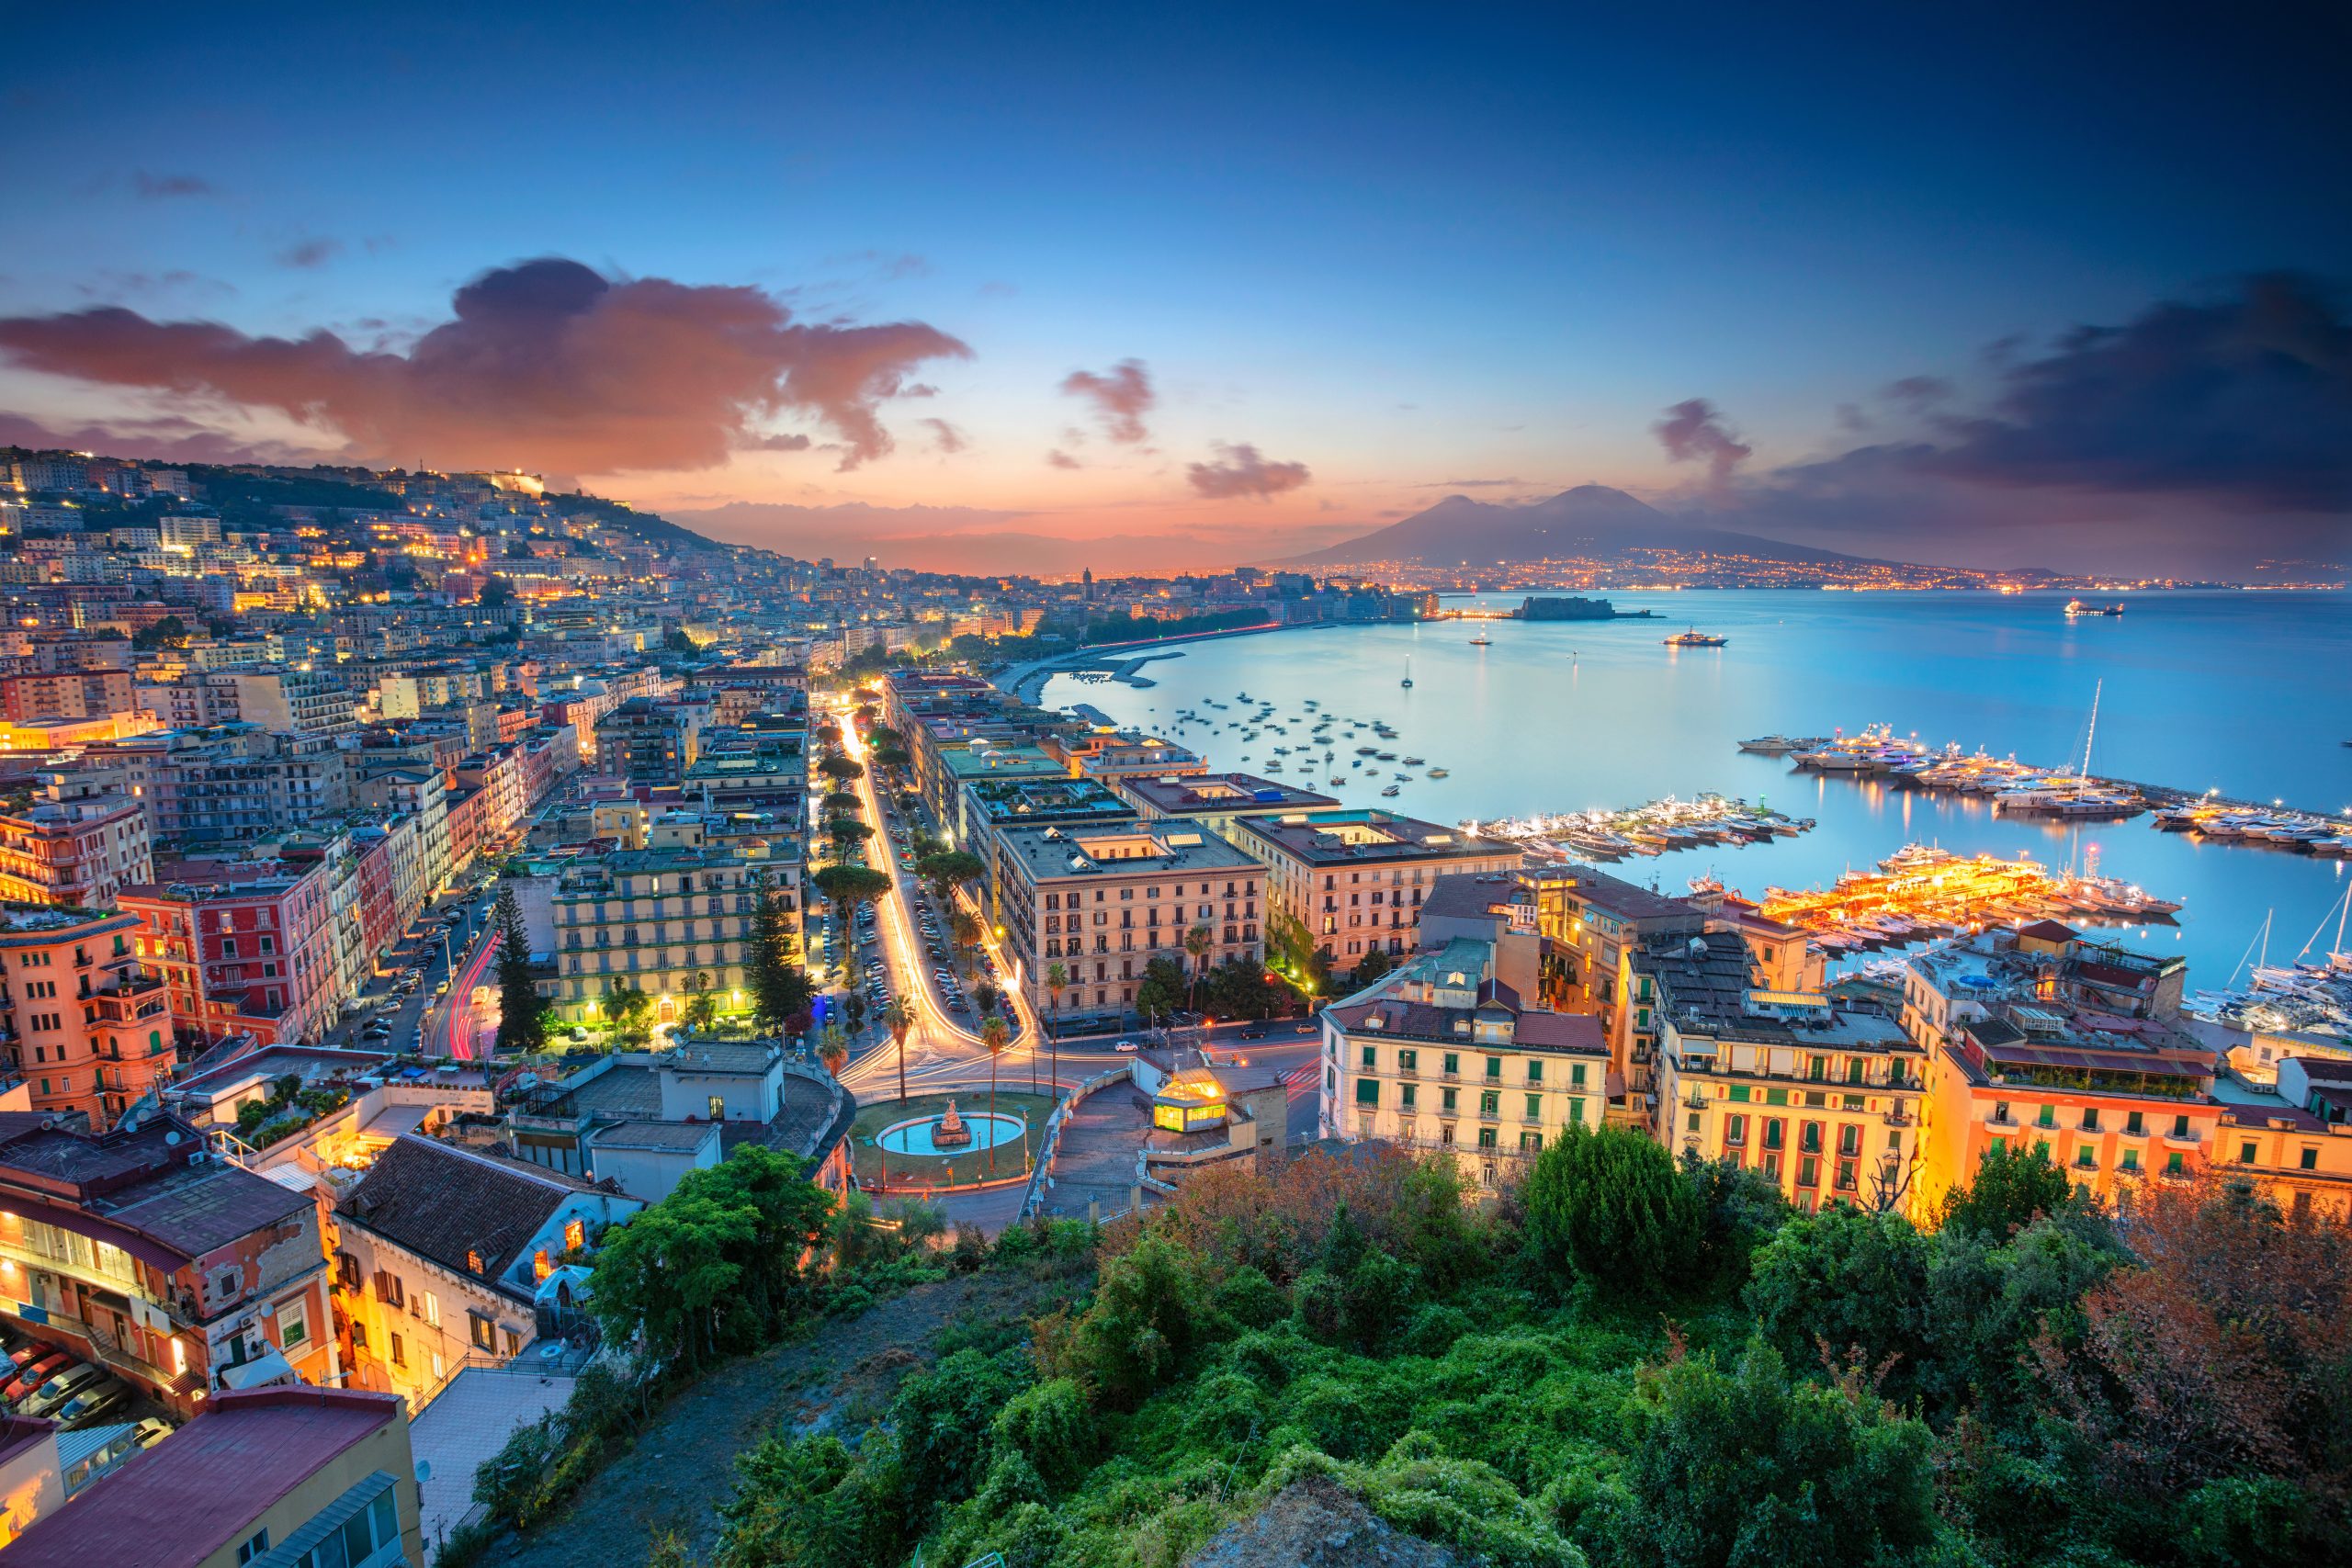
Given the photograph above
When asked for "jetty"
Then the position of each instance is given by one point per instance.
(1650, 829)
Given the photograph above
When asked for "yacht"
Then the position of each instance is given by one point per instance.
(1408, 681)
(1393, 789)
(1482, 641)
(1694, 637)
(1441, 773)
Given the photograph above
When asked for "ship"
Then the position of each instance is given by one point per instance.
(1694, 637)
(1482, 641)
(2076, 607)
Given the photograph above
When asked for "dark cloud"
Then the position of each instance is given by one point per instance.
(544, 363)
(171, 439)
(308, 252)
(1061, 460)
(791, 443)
(945, 437)
(1240, 471)
(1693, 431)
(162, 187)
(1121, 399)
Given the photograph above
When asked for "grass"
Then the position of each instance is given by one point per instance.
(962, 1168)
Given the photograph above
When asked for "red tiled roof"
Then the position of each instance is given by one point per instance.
(195, 1492)
(2047, 931)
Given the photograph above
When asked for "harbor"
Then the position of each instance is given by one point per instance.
(1922, 892)
(1650, 829)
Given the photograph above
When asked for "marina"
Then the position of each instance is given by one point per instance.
(1651, 829)
(1921, 892)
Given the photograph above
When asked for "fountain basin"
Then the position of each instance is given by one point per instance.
(913, 1137)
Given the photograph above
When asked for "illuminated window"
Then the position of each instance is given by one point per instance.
(575, 1233)
(541, 1266)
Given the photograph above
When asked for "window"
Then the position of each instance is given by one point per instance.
(541, 1265)
(2135, 1125)
(293, 1323)
(1449, 1099)
(1367, 1091)
(718, 1107)
(253, 1547)
(1808, 1171)
(428, 1307)
(473, 1260)
(1530, 1143)
(1368, 1059)
(2180, 1127)
(2173, 1164)
(1576, 1075)
(2087, 1158)
(2311, 1158)
(1493, 1067)
(1735, 1129)
(399, 1352)
(1486, 1137)
(483, 1326)
(2130, 1159)
(2090, 1118)
(1409, 1061)
(1453, 1064)
(2245, 1154)
(1490, 1104)
(2049, 1117)
(1576, 1110)
(1535, 1107)
(1405, 1093)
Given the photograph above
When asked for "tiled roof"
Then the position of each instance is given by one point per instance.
(441, 1202)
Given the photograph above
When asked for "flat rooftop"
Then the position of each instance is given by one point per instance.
(1118, 849)
(1362, 835)
(1209, 795)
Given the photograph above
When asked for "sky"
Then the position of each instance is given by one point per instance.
(1026, 287)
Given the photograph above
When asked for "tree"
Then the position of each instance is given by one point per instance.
(840, 769)
(849, 885)
(828, 733)
(853, 1005)
(1371, 967)
(522, 1011)
(1851, 1286)
(2010, 1188)
(985, 996)
(628, 1012)
(994, 1037)
(702, 1011)
(1057, 978)
(1197, 943)
(169, 632)
(1161, 988)
(840, 803)
(1239, 988)
(845, 831)
(964, 927)
(1609, 1210)
(945, 868)
(832, 1048)
(781, 992)
(496, 594)
(1749, 1467)
(898, 1018)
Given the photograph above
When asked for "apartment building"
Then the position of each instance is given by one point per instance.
(2039, 1039)
(263, 1478)
(1354, 878)
(135, 1249)
(1216, 801)
(1104, 900)
(74, 850)
(1592, 921)
(1824, 1101)
(959, 766)
(987, 804)
(82, 693)
(85, 1022)
(649, 742)
(673, 921)
(441, 1254)
(243, 947)
(1443, 1055)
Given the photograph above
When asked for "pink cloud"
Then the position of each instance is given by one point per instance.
(1241, 471)
(1121, 399)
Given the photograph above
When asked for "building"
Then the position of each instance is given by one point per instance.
(1824, 1101)
(440, 1253)
(80, 693)
(2037, 1039)
(89, 1023)
(2294, 1136)
(1590, 922)
(264, 1478)
(1216, 801)
(136, 1249)
(673, 920)
(1353, 879)
(1103, 901)
(245, 947)
(647, 741)
(73, 851)
(1441, 1055)
(32, 1474)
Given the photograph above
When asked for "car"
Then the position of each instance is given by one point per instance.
(1124, 1047)
(577, 1034)
(1255, 1031)
(32, 1374)
(61, 1389)
(151, 1431)
(442, 989)
(91, 1404)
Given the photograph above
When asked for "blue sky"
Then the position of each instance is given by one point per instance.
(1397, 246)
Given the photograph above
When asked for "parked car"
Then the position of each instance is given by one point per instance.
(151, 1431)
(60, 1389)
(100, 1399)
(1124, 1047)
(32, 1375)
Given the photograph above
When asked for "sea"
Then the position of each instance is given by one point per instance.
(2245, 693)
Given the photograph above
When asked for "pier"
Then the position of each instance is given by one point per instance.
(1654, 828)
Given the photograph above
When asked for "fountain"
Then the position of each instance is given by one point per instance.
(949, 1131)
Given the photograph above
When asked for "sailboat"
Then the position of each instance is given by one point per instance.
(1408, 681)
(2075, 797)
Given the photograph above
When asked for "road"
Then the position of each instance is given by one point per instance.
(939, 1051)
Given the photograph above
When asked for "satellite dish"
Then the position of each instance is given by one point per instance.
(172, 1139)
(424, 1471)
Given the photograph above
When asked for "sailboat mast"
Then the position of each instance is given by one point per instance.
(2083, 777)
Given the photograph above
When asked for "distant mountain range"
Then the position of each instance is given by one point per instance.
(1592, 521)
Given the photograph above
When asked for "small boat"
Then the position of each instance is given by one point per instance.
(1413, 762)
(1393, 789)
(1482, 641)
(1441, 773)
(1408, 681)
(1694, 637)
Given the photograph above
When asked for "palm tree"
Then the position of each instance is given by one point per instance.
(832, 1048)
(899, 1019)
(1057, 976)
(1196, 943)
(994, 1035)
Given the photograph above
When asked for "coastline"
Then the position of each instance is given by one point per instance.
(1027, 681)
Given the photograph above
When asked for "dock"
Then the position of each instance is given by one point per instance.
(1650, 829)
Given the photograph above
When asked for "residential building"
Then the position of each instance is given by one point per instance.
(81, 693)
(440, 1255)
(263, 1478)
(1103, 901)
(245, 947)
(2295, 1136)
(136, 1248)
(74, 850)
(1441, 1055)
(88, 1024)
(1216, 801)
(1353, 879)
(32, 1474)
(671, 920)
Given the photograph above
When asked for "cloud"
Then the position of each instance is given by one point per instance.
(886, 264)
(1061, 460)
(1121, 399)
(544, 363)
(1919, 392)
(1693, 431)
(1240, 471)
(1471, 484)
(945, 437)
(308, 252)
(162, 187)
(791, 443)
(170, 439)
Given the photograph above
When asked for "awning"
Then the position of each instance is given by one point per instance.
(259, 1373)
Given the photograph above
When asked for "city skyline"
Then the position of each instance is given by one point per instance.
(2066, 300)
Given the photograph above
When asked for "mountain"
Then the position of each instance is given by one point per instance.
(1590, 520)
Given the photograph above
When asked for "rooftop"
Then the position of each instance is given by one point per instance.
(442, 1203)
(1215, 794)
(1046, 854)
(1629, 901)
(176, 1504)
(1361, 836)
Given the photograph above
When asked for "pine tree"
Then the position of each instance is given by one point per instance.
(522, 1011)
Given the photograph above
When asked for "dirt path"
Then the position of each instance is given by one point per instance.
(683, 1464)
